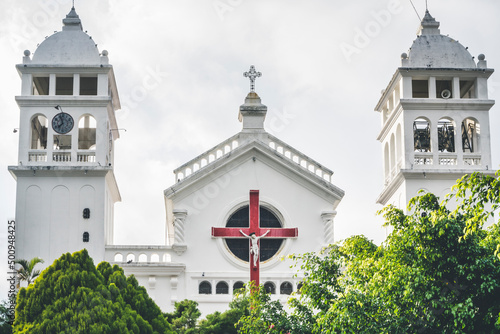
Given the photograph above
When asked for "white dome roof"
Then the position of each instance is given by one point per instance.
(71, 46)
(433, 50)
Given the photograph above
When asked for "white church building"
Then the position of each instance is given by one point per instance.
(435, 128)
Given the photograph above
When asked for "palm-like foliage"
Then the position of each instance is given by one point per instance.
(27, 271)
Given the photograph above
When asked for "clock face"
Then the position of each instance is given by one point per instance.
(62, 123)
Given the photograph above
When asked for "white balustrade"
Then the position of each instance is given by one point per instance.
(207, 158)
(139, 254)
(448, 159)
(472, 160)
(422, 159)
(86, 156)
(61, 156)
(301, 159)
(232, 143)
(37, 156)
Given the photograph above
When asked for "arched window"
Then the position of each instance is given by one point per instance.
(238, 286)
(422, 135)
(470, 135)
(393, 153)
(399, 144)
(286, 288)
(221, 288)
(130, 258)
(240, 247)
(39, 126)
(299, 286)
(387, 167)
(86, 133)
(205, 288)
(446, 135)
(86, 237)
(270, 288)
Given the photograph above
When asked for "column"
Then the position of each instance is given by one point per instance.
(327, 217)
(179, 245)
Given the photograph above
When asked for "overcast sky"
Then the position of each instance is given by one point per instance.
(323, 63)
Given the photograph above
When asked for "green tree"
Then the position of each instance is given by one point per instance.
(185, 316)
(27, 270)
(267, 316)
(73, 296)
(224, 323)
(437, 272)
(5, 318)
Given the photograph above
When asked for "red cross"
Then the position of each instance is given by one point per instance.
(228, 232)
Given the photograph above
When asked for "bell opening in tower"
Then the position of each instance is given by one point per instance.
(470, 136)
(446, 135)
(39, 125)
(443, 89)
(62, 142)
(420, 88)
(87, 133)
(467, 89)
(88, 85)
(64, 85)
(40, 85)
(422, 135)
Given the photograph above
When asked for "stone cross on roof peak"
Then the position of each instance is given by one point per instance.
(252, 74)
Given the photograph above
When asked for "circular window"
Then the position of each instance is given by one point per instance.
(240, 247)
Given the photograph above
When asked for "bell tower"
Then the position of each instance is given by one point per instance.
(66, 187)
(435, 118)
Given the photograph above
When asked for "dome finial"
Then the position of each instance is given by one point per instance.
(429, 25)
(72, 20)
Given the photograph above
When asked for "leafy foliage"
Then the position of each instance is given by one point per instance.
(437, 272)
(73, 296)
(224, 323)
(5, 320)
(185, 316)
(268, 316)
(27, 270)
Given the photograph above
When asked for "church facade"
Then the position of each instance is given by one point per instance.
(435, 128)
(66, 187)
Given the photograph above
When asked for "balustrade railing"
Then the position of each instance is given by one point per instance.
(299, 158)
(86, 156)
(472, 160)
(232, 143)
(61, 156)
(423, 159)
(206, 158)
(37, 156)
(139, 254)
(446, 159)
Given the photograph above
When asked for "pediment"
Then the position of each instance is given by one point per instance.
(267, 149)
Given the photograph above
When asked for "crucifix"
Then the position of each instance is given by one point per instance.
(252, 74)
(254, 233)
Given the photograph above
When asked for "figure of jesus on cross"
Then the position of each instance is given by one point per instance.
(254, 245)
(254, 233)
